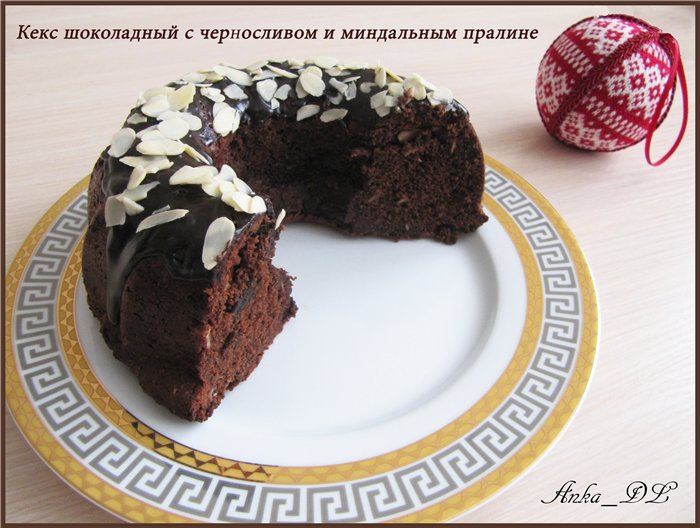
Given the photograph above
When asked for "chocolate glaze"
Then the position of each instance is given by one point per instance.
(180, 242)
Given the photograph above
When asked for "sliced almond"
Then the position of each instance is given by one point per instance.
(194, 154)
(266, 89)
(239, 77)
(307, 111)
(233, 91)
(280, 217)
(283, 92)
(140, 161)
(161, 147)
(150, 134)
(325, 62)
(238, 200)
(219, 235)
(146, 130)
(333, 114)
(157, 90)
(336, 99)
(313, 70)
(137, 176)
(227, 121)
(139, 192)
(377, 99)
(299, 89)
(195, 77)
(312, 83)
(338, 85)
(281, 72)
(380, 77)
(390, 101)
(395, 89)
(218, 107)
(182, 97)
(382, 111)
(158, 164)
(213, 94)
(257, 205)
(174, 128)
(241, 186)
(443, 95)
(121, 142)
(136, 119)
(352, 91)
(115, 213)
(161, 218)
(256, 65)
(131, 208)
(187, 175)
(226, 173)
(156, 105)
(366, 87)
(263, 75)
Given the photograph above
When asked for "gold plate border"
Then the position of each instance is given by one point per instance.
(123, 505)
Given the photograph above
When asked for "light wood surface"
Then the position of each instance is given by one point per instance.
(635, 223)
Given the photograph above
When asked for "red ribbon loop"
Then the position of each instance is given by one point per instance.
(676, 68)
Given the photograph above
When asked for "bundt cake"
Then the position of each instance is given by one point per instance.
(177, 259)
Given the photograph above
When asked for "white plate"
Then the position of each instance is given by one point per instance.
(416, 381)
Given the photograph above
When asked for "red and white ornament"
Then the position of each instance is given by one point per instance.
(607, 82)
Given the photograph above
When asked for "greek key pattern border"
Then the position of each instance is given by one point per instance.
(146, 476)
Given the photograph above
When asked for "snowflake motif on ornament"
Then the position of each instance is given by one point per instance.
(601, 81)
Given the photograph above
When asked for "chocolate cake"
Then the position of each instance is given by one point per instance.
(177, 259)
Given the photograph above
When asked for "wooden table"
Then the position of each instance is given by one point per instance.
(635, 223)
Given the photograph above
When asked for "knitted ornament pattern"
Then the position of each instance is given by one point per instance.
(601, 82)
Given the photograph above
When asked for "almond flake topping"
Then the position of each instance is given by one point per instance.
(383, 111)
(233, 91)
(442, 95)
(137, 176)
(299, 89)
(352, 91)
(121, 142)
(145, 161)
(174, 128)
(264, 75)
(219, 235)
(161, 147)
(227, 120)
(266, 89)
(380, 76)
(213, 94)
(194, 154)
(120, 205)
(239, 77)
(156, 90)
(187, 175)
(280, 217)
(312, 83)
(307, 111)
(161, 218)
(314, 70)
(195, 77)
(338, 85)
(256, 65)
(366, 87)
(325, 62)
(283, 92)
(182, 97)
(156, 105)
(377, 99)
(136, 119)
(192, 120)
(281, 72)
(333, 114)
(395, 89)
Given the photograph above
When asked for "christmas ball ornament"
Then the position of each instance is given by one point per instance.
(607, 83)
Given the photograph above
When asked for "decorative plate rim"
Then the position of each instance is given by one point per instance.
(520, 196)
